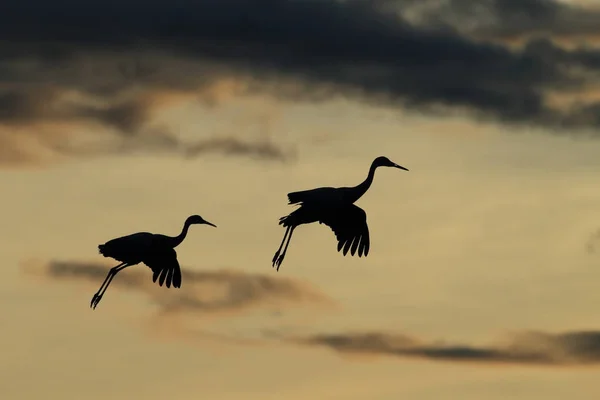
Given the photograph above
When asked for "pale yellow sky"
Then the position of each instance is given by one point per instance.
(483, 238)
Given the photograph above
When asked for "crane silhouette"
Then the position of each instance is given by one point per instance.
(335, 208)
(155, 250)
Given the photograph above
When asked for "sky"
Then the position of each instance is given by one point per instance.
(123, 117)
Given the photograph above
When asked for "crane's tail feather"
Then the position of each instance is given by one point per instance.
(101, 250)
(296, 197)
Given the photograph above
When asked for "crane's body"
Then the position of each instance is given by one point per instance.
(128, 248)
(155, 250)
(335, 208)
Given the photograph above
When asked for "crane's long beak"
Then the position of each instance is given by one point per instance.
(209, 223)
(401, 167)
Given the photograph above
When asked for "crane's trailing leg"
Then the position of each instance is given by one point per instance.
(287, 231)
(111, 274)
(282, 256)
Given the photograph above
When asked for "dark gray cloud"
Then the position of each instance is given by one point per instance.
(504, 18)
(354, 45)
(97, 61)
(213, 291)
(534, 348)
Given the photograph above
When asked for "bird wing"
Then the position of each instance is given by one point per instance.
(318, 195)
(127, 248)
(165, 267)
(349, 224)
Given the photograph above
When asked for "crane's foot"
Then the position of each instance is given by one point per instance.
(277, 260)
(275, 257)
(95, 300)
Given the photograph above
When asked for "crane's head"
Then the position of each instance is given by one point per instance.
(385, 162)
(196, 219)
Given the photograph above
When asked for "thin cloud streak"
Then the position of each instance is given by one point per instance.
(164, 143)
(532, 348)
(265, 149)
(35, 134)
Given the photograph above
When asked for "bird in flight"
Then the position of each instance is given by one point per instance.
(155, 250)
(335, 208)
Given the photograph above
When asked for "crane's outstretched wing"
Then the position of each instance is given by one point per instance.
(349, 224)
(165, 267)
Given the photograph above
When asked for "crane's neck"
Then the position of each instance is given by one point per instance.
(358, 191)
(179, 238)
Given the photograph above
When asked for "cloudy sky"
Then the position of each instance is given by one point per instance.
(481, 282)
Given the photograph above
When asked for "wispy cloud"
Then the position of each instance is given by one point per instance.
(222, 293)
(532, 348)
(208, 292)
(231, 146)
(36, 131)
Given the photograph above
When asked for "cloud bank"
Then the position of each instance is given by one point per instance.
(107, 69)
(398, 52)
